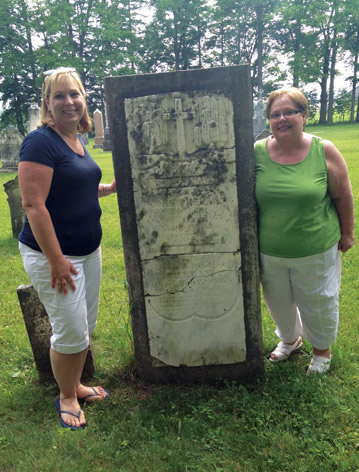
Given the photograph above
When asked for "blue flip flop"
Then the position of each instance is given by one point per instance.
(94, 394)
(65, 425)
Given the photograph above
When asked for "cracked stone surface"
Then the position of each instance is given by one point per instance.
(185, 191)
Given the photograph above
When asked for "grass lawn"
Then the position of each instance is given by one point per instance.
(285, 421)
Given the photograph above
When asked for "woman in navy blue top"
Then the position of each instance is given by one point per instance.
(60, 239)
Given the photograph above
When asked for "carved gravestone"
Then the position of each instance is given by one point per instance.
(10, 143)
(183, 156)
(17, 212)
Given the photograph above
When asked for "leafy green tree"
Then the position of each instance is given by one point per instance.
(295, 36)
(18, 70)
(174, 37)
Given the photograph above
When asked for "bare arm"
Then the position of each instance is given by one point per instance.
(35, 181)
(107, 189)
(340, 190)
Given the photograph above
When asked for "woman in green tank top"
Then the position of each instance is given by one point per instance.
(305, 217)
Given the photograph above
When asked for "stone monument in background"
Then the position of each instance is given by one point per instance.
(85, 138)
(106, 147)
(34, 117)
(17, 212)
(99, 133)
(10, 143)
(259, 120)
(183, 156)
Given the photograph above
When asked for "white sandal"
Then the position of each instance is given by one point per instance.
(284, 350)
(319, 365)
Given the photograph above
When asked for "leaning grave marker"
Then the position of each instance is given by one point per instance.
(183, 157)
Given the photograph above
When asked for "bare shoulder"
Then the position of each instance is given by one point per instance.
(330, 148)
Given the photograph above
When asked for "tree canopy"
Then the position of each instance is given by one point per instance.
(291, 42)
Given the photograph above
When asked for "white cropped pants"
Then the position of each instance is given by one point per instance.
(73, 316)
(302, 295)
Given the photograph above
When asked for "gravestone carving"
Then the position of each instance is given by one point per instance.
(17, 212)
(39, 331)
(183, 156)
(10, 143)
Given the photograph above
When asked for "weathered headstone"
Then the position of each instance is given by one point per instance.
(106, 147)
(259, 120)
(39, 331)
(183, 156)
(10, 143)
(17, 212)
(85, 138)
(99, 133)
(34, 117)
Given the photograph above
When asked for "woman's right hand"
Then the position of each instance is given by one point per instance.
(61, 277)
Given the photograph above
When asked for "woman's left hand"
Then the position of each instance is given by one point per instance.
(346, 242)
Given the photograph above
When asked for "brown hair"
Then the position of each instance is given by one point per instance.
(50, 83)
(294, 93)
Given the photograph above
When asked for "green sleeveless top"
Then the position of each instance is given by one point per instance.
(296, 215)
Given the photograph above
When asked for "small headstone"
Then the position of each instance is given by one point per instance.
(99, 132)
(10, 143)
(39, 332)
(85, 138)
(34, 117)
(17, 212)
(259, 120)
(107, 140)
(183, 157)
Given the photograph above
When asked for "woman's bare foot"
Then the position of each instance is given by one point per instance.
(71, 413)
(91, 394)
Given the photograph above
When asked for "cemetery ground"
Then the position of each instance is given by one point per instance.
(284, 421)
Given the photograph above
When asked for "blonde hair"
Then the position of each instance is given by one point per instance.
(294, 93)
(50, 83)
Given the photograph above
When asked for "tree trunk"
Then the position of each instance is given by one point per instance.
(323, 86)
(259, 12)
(352, 106)
(332, 77)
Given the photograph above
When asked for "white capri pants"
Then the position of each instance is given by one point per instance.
(73, 316)
(302, 295)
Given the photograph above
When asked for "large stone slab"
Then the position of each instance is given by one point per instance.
(183, 156)
(10, 143)
(17, 212)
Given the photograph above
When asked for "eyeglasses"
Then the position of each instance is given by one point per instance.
(47, 73)
(286, 114)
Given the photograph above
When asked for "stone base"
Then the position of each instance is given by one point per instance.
(4, 170)
(107, 146)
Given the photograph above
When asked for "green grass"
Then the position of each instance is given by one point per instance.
(286, 421)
